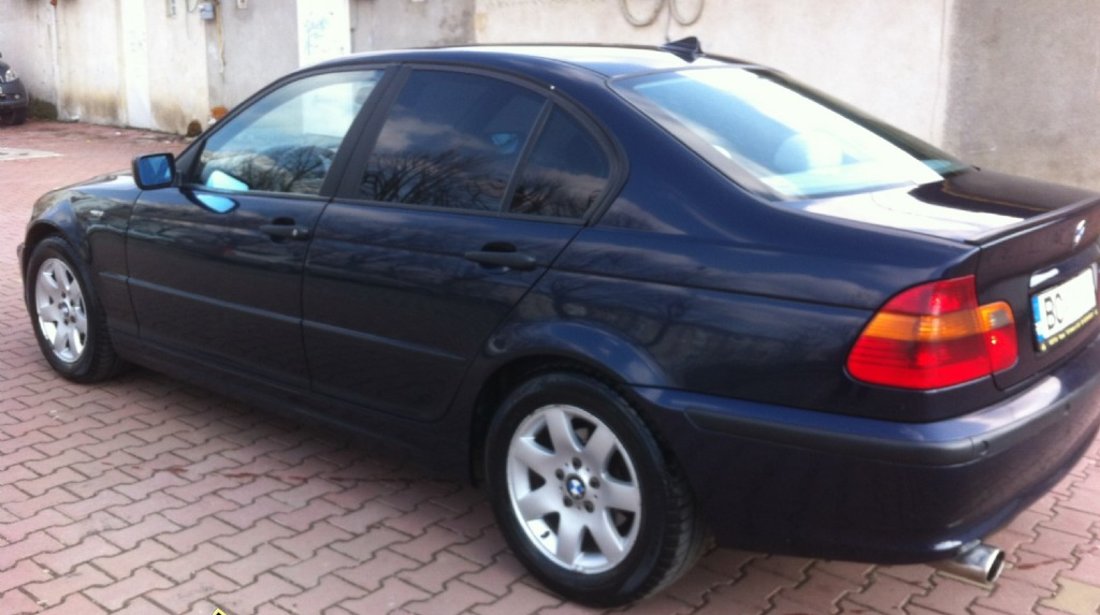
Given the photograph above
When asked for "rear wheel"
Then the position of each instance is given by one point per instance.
(584, 494)
(68, 321)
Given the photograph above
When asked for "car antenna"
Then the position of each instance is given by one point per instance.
(688, 49)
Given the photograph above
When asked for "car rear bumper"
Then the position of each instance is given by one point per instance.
(816, 484)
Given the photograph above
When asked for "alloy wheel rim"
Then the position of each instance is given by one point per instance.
(574, 489)
(62, 315)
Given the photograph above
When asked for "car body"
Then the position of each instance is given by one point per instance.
(581, 292)
(13, 96)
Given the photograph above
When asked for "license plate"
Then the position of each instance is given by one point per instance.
(1061, 311)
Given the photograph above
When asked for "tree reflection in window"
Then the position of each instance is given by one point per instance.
(451, 140)
(284, 168)
(286, 141)
(566, 173)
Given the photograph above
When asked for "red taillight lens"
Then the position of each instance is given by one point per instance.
(935, 335)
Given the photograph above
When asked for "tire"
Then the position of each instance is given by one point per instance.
(67, 318)
(584, 495)
(15, 118)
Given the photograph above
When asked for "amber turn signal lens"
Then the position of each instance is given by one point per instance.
(935, 335)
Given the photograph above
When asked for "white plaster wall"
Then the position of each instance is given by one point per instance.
(90, 62)
(1008, 85)
(324, 30)
(27, 38)
(392, 24)
(124, 63)
(248, 48)
(1025, 88)
(135, 63)
(176, 69)
(885, 56)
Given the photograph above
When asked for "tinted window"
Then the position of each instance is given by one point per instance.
(565, 174)
(793, 140)
(286, 141)
(450, 140)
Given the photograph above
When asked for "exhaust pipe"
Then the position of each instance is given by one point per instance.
(975, 562)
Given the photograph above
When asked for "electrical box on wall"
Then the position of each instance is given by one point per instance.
(206, 11)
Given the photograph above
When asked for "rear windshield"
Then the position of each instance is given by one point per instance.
(780, 137)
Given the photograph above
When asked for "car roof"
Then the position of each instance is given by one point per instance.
(606, 60)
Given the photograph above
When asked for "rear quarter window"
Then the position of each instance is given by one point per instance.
(566, 173)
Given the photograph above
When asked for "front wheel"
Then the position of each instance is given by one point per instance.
(68, 321)
(15, 118)
(584, 495)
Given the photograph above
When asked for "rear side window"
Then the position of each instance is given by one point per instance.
(565, 174)
(451, 140)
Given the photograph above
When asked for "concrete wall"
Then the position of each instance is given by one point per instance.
(1013, 86)
(1007, 85)
(885, 56)
(392, 24)
(28, 36)
(1024, 90)
(324, 30)
(176, 73)
(125, 63)
(247, 48)
(91, 91)
(250, 47)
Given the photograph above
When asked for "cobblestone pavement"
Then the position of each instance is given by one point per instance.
(146, 496)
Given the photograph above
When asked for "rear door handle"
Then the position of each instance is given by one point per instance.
(502, 255)
(285, 231)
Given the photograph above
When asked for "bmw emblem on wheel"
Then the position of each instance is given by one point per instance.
(575, 487)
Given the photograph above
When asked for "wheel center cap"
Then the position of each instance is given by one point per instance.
(65, 309)
(574, 486)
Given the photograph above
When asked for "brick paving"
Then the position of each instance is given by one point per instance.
(145, 495)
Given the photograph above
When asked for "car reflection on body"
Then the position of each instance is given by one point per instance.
(644, 295)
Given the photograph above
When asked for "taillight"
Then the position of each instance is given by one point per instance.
(935, 335)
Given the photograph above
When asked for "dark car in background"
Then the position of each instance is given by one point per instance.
(13, 96)
(645, 296)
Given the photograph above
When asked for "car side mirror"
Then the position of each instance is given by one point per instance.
(154, 171)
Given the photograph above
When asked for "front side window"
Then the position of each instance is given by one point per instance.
(793, 140)
(286, 142)
(451, 140)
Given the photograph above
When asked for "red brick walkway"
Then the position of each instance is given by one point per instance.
(148, 496)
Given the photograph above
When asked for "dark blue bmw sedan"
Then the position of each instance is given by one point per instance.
(645, 296)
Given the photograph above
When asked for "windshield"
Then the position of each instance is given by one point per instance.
(764, 130)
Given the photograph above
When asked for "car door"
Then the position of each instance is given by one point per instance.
(435, 235)
(215, 266)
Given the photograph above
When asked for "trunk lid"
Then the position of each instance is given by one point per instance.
(1045, 267)
(1037, 241)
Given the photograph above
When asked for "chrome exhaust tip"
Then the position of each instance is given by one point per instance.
(975, 562)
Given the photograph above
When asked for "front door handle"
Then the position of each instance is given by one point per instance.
(282, 230)
(499, 254)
